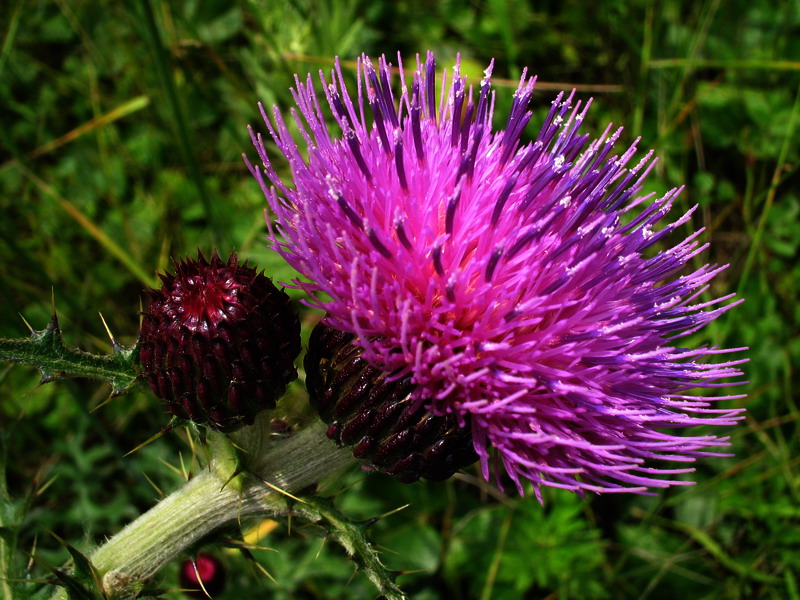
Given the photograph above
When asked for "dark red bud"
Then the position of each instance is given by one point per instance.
(376, 415)
(218, 342)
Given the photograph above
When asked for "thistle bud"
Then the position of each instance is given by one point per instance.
(375, 414)
(218, 342)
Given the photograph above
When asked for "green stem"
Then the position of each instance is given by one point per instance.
(179, 521)
(206, 504)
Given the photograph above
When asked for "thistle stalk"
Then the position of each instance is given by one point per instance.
(211, 501)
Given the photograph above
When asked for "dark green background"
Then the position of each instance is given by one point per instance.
(121, 132)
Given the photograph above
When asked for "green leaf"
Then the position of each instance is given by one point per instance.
(11, 513)
(505, 551)
(75, 590)
(45, 349)
(83, 571)
(83, 582)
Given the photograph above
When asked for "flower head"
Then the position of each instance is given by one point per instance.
(218, 342)
(517, 284)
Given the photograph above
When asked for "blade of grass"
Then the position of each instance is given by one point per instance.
(699, 63)
(698, 41)
(714, 548)
(98, 234)
(491, 577)
(645, 54)
(7, 542)
(13, 24)
(505, 25)
(164, 72)
(123, 110)
(791, 586)
(755, 246)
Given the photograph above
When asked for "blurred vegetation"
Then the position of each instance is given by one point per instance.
(121, 132)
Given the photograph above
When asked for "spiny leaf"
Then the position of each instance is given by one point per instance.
(82, 582)
(83, 571)
(45, 349)
(350, 535)
(75, 588)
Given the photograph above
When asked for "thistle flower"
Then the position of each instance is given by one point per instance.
(218, 342)
(518, 285)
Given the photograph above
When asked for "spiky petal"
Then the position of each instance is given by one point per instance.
(520, 284)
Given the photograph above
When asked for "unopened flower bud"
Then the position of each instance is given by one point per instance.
(218, 342)
(375, 414)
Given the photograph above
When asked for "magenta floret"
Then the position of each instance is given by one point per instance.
(518, 284)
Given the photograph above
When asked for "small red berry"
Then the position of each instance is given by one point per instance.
(206, 568)
(218, 342)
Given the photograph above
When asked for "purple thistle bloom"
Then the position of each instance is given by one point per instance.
(516, 283)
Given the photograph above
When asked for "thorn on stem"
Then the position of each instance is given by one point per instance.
(31, 330)
(166, 429)
(108, 330)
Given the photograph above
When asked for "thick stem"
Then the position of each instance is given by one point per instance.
(180, 520)
(206, 503)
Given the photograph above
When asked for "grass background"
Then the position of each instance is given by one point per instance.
(121, 130)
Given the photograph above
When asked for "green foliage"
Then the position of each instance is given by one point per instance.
(122, 131)
(11, 518)
(527, 547)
